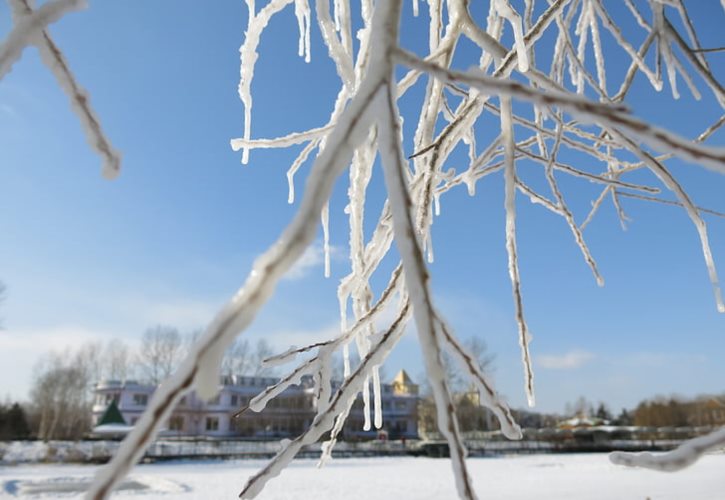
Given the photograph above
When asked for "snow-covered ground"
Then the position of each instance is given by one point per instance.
(543, 477)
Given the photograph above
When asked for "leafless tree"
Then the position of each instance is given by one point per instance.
(159, 353)
(457, 377)
(62, 392)
(242, 359)
(117, 360)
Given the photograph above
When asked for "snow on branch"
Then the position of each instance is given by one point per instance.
(683, 456)
(30, 28)
(29, 25)
(365, 123)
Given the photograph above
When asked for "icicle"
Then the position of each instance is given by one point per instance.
(469, 179)
(377, 396)
(325, 216)
(598, 54)
(507, 132)
(415, 8)
(337, 52)
(665, 49)
(302, 12)
(609, 24)
(429, 248)
(366, 404)
(301, 158)
(248, 56)
(507, 12)
(581, 47)
(437, 203)
(346, 360)
(363, 347)
(337, 5)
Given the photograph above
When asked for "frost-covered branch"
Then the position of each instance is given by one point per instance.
(569, 113)
(683, 456)
(30, 28)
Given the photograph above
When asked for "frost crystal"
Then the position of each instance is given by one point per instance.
(568, 107)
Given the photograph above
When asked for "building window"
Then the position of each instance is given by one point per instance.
(176, 423)
(215, 400)
(235, 400)
(212, 423)
(140, 399)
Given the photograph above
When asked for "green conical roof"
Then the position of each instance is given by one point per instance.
(112, 415)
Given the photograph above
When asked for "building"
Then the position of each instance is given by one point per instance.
(287, 415)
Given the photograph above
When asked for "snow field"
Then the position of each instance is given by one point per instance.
(541, 477)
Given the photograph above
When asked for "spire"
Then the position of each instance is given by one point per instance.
(403, 384)
(403, 378)
(112, 415)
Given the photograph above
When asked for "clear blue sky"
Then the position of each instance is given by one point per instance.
(174, 236)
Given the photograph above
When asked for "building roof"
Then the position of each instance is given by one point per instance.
(403, 378)
(112, 415)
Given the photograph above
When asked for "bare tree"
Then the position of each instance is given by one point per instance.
(117, 360)
(242, 359)
(471, 415)
(569, 105)
(61, 394)
(237, 358)
(159, 353)
(457, 377)
(262, 351)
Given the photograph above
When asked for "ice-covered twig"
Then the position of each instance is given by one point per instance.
(507, 133)
(669, 180)
(29, 27)
(416, 276)
(669, 202)
(612, 116)
(704, 72)
(566, 213)
(325, 420)
(597, 179)
(201, 366)
(280, 142)
(611, 26)
(683, 456)
(34, 22)
(248, 56)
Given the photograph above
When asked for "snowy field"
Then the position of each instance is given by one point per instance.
(542, 477)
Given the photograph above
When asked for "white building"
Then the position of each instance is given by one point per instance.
(288, 415)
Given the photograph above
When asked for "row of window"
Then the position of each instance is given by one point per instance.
(176, 423)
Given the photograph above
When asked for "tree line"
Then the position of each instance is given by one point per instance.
(62, 393)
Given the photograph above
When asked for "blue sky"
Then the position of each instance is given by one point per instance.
(174, 236)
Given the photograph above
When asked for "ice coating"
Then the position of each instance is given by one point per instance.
(248, 59)
(325, 219)
(506, 11)
(303, 15)
(30, 28)
(510, 206)
(365, 121)
(683, 456)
